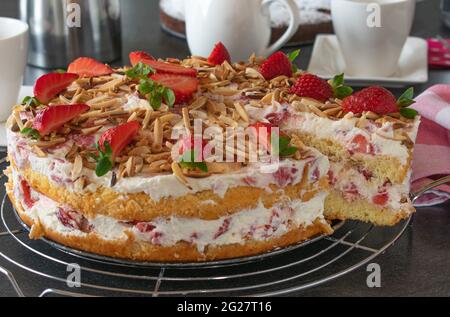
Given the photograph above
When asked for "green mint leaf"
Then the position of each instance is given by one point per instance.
(169, 97)
(104, 165)
(288, 151)
(31, 132)
(338, 80)
(407, 99)
(30, 101)
(339, 89)
(141, 70)
(60, 71)
(342, 92)
(408, 113)
(146, 86)
(108, 149)
(188, 162)
(155, 100)
(292, 57)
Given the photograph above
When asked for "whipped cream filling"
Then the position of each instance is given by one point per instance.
(58, 170)
(258, 223)
(344, 130)
(354, 184)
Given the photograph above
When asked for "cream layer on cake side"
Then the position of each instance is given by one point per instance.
(257, 224)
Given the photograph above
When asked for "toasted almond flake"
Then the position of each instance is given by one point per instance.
(241, 111)
(309, 101)
(267, 99)
(28, 124)
(38, 151)
(140, 151)
(92, 130)
(80, 183)
(64, 100)
(168, 118)
(158, 136)
(332, 111)
(90, 114)
(47, 144)
(228, 121)
(77, 96)
(349, 115)
(111, 85)
(176, 169)
(133, 117)
(130, 166)
(253, 73)
(77, 167)
(147, 118)
(106, 104)
(225, 91)
(371, 115)
(186, 119)
(197, 114)
(317, 111)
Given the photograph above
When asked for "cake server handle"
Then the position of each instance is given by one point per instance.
(436, 183)
(293, 24)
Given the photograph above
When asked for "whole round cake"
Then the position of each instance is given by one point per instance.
(204, 159)
(315, 18)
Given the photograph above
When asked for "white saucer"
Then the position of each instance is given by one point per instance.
(327, 61)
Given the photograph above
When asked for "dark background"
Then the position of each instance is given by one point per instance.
(418, 264)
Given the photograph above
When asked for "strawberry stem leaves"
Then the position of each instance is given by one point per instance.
(339, 89)
(292, 57)
(33, 133)
(188, 161)
(406, 100)
(31, 102)
(154, 92)
(104, 159)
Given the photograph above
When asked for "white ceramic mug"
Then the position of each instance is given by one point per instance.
(13, 58)
(242, 26)
(372, 34)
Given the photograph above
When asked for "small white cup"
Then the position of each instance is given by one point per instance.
(372, 34)
(243, 26)
(13, 59)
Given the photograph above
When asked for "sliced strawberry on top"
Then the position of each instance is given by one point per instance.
(182, 86)
(89, 67)
(49, 85)
(219, 55)
(26, 191)
(161, 67)
(276, 65)
(312, 86)
(52, 118)
(138, 56)
(119, 137)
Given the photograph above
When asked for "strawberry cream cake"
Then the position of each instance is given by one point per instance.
(110, 161)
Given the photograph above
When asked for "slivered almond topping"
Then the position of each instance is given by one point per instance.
(147, 118)
(89, 131)
(253, 73)
(77, 167)
(186, 119)
(176, 169)
(241, 111)
(158, 136)
(39, 151)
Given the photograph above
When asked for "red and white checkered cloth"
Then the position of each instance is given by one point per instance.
(432, 151)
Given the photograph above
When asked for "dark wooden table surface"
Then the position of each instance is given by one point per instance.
(418, 264)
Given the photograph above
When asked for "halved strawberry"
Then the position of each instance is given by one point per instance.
(312, 86)
(381, 199)
(49, 85)
(360, 144)
(183, 87)
(161, 67)
(219, 55)
(52, 118)
(119, 137)
(138, 56)
(26, 191)
(276, 65)
(89, 67)
(263, 128)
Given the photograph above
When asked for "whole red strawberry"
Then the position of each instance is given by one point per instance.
(311, 86)
(219, 55)
(276, 65)
(375, 98)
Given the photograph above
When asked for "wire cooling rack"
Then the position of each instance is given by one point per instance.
(300, 267)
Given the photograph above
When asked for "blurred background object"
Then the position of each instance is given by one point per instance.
(445, 7)
(315, 18)
(62, 30)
